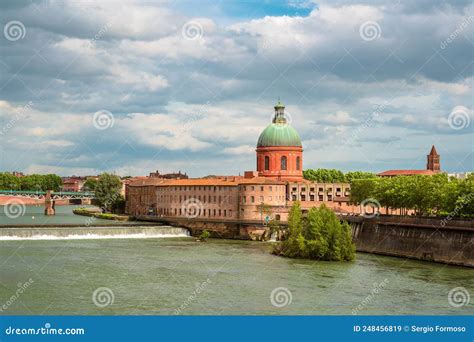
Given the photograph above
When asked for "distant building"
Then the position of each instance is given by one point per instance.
(18, 174)
(433, 167)
(459, 175)
(175, 175)
(73, 183)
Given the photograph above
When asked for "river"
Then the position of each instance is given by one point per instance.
(166, 276)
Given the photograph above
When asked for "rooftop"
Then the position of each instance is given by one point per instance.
(406, 173)
(226, 181)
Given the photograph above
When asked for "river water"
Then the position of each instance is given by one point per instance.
(166, 276)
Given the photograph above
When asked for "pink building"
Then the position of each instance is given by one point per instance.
(265, 194)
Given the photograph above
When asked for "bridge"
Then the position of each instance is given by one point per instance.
(55, 195)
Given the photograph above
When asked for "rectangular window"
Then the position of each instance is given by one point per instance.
(252, 199)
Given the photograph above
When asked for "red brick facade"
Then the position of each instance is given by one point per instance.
(280, 162)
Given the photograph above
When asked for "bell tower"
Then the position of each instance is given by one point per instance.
(433, 162)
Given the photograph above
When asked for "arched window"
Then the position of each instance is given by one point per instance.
(283, 163)
(298, 161)
(267, 163)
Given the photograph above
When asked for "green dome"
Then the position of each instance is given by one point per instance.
(279, 134)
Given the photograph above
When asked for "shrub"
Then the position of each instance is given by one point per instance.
(319, 236)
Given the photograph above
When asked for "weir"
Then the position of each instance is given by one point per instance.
(76, 233)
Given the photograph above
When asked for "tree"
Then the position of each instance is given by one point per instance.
(465, 200)
(107, 191)
(319, 236)
(362, 189)
(90, 184)
(32, 182)
(324, 175)
(352, 175)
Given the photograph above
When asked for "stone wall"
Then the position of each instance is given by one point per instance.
(450, 242)
(430, 239)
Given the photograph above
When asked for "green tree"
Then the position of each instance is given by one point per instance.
(319, 236)
(324, 175)
(107, 191)
(465, 200)
(362, 189)
(352, 175)
(90, 184)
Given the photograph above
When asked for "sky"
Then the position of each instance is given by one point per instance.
(135, 86)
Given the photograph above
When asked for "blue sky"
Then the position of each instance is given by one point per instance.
(133, 86)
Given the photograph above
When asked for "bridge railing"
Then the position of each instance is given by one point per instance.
(37, 192)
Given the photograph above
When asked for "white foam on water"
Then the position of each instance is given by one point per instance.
(174, 233)
(92, 237)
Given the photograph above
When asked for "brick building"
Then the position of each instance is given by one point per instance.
(73, 183)
(433, 166)
(264, 194)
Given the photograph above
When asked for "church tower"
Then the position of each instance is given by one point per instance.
(433, 163)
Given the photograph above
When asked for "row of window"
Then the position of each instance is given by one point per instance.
(193, 212)
(303, 189)
(203, 199)
(218, 188)
(261, 199)
(303, 198)
(194, 188)
(283, 163)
